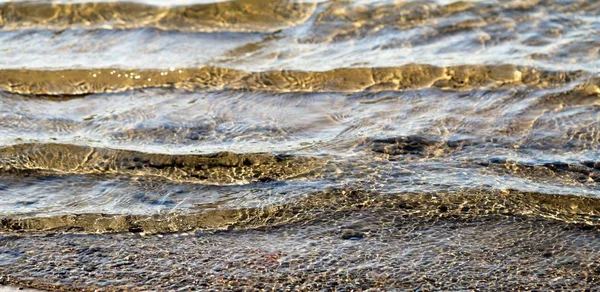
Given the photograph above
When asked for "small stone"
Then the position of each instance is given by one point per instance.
(591, 89)
(352, 235)
(135, 229)
(505, 73)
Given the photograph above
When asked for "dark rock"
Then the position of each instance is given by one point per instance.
(352, 235)
(135, 229)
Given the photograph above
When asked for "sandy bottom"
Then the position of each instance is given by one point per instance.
(494, 252)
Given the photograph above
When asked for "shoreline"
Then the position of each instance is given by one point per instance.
(360, 250)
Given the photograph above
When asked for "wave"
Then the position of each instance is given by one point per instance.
(222, 168)
(407, 77)
(342, 21)
(231, 16)
(331, 205)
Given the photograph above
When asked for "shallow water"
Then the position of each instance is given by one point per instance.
(305, 118)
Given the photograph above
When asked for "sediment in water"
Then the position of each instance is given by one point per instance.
(464, 240)
(439, 148)
(227, 16)
(407, 77)
(487, 252)
(218, 169)
(328, 205)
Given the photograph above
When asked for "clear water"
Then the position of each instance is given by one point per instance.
(542, 109)
(393, 98)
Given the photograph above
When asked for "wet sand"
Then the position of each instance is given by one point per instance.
(345, 241)
(484, 253)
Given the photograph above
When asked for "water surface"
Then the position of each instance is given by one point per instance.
(303, 124)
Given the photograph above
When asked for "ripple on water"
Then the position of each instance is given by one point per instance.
(426, 145)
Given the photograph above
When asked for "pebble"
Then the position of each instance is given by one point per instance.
(352, 235)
